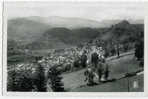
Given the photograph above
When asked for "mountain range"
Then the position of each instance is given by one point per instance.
(49, 32)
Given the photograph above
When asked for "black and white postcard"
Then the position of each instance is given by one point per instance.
(83, 47)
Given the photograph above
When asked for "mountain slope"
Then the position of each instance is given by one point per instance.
(123, 31)
(24, 30)
(56, 37)
(68, 22)
(49, 32)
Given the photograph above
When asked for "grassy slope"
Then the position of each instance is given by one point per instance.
(74, 80)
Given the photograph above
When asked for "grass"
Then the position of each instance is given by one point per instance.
(16, 59)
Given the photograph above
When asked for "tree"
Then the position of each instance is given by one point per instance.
(19, 81)
(55, 79)
(41, 80)
(139, 49)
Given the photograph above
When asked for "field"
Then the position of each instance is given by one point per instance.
(125, 64)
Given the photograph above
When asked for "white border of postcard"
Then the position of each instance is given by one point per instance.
(85, 94)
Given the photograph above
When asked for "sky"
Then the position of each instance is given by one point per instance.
(95, 11)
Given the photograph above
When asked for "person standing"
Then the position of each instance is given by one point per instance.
(84, 59)
(103, 70)
(100, 70)
(106, 70)
(94, 58)
(89, 74)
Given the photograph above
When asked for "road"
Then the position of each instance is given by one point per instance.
(118, 66)
(116, 86)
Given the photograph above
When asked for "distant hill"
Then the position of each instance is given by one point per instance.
(123, 31)
(60, 32)
(131, 21)
(64, 36)
(68, 22)
(52, 38)
(24, 30)
(29, 29)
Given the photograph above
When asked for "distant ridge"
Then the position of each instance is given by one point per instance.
(30, 30)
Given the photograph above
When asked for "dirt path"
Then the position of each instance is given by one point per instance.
(116, 86)
(118, 66)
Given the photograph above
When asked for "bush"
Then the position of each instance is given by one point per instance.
(18, 81)
(55, 78)
(22, 79)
